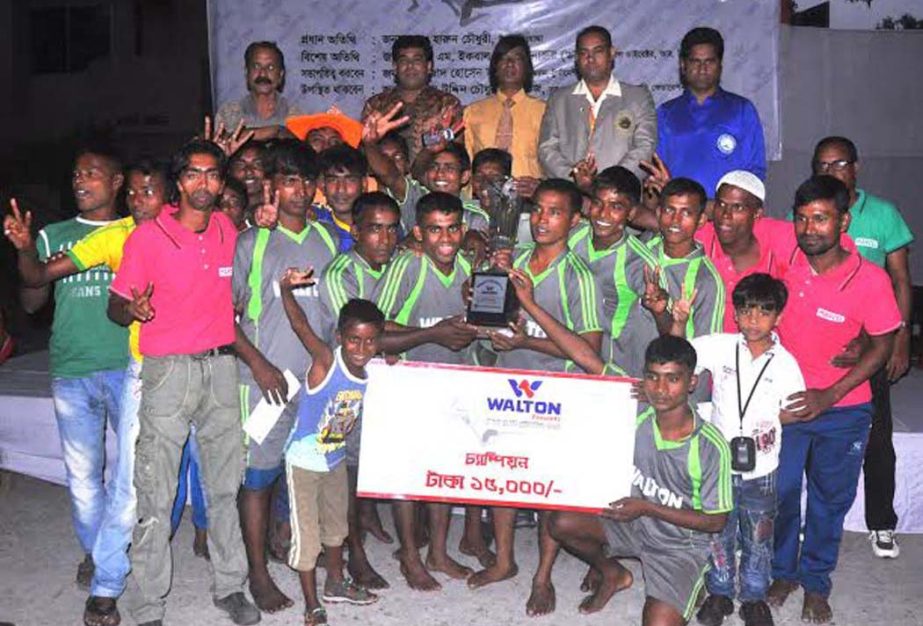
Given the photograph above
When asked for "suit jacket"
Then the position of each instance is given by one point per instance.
(625, 132)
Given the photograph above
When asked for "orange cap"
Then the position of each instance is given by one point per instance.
(350, 130)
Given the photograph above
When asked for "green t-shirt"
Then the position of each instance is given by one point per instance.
(83, 339)
(877, 227)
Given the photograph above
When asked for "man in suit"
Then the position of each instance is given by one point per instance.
(599, 117)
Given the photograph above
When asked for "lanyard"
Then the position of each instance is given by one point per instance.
(741, 406)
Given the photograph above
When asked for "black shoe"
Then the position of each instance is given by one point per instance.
(756, 614)
(239, 609)
(714, 610)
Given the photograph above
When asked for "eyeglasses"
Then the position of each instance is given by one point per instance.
(836, 166)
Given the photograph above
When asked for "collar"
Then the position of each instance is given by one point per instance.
(523, 263)
(248, 106)
(335, 220)
(448, 279)
(83, 220)
(859, 205)
(841, 275)
(656, 245)
(364, 265)
(742, 343)
(690, 98)
(296, 237)
(178, 234)
(613, 88)
(517, 97)
(665, 444)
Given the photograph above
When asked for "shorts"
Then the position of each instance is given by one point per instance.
(269, 454)
(259, 479)
(671, 575)
(319, 504)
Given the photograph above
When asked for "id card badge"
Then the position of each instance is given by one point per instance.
(743, 454)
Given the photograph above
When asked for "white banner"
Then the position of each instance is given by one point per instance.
(340, 53)
(491, 436)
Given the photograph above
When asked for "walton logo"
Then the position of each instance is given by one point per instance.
(524, 387)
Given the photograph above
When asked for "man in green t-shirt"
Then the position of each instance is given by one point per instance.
(882, 237)
(88, 352)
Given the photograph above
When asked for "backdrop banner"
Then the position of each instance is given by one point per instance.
(340, 53)
(491, 436)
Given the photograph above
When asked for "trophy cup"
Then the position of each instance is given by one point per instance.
(493, 300)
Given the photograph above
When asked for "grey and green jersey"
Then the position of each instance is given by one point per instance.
(417, 294)
(260, 260)
(474, 217)
(619, 273)
(567, 291)
(695, 271)
(348, 276)
(694, 473)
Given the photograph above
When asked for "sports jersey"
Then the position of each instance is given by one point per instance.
(326, 414)
(567, 291)
(83, 339)
(619, 273)
(346, 277)
(694, 473)
(416, 293)
(343, 230)
(104, 246)
(474, 217)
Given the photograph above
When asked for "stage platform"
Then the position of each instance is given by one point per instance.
(29, 436)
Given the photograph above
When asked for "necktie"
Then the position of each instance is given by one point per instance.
(504, 136)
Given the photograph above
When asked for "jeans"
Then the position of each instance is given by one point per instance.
(177, 392)
(189, 482)
(81, 406)
(749, 525)
(829, 450)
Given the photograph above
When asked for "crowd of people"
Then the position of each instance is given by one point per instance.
(279, 242)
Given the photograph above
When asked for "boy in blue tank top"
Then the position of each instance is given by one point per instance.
(330, 407)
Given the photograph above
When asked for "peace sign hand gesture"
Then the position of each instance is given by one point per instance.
(17, 227)
(378, 124)
(267, 214)
(655, 298)
(140, 306)
(228, 142)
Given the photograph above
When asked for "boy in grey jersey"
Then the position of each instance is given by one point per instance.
(422, 301)
(266, 343)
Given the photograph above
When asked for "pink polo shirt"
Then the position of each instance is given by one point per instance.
(191, 274)
(826, 311)
(777, 246)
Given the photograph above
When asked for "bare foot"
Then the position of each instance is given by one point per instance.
(478, 550)
(267, 596)
(365, 576)
(611, 580)
(591, 581)
(816, 609)
(421, 536)
(449, 566)
(369, 521)
(416, 575)
(492, 574)
(541, 600)
(779, 591)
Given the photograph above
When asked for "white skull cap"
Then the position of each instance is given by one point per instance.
(744, 180)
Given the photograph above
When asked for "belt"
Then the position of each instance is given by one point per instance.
(226, 350)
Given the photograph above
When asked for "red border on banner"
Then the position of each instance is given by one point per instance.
(500, 503)
(530, 373)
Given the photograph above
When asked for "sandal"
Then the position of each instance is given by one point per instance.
(315, 617)
(349, 592)
(101, 612)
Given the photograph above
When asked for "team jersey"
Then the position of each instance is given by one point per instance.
(343, 230)
(474, 217)
(346, 277)
(694, 473)
(416, 293)
(83, 338)
(619, 273)
(566, 290)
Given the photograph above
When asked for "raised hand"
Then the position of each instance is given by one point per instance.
(377, 124)
(267, 214)
(526, 186)
(658, 176)
(295, 277)
(584, 172)
(140, 306)
(17, 227)
(655, 298)
(682, 308)
(228, 142)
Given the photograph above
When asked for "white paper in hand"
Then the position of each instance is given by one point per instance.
(266, 414)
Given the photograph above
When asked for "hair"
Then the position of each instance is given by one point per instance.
(252, 144)
(460, 154)
(289, 157)
(358, 311)
(373, 200)
(438, 201)
(264, 45)
(684, 187)
(822, 187)
(180, 160)
(493, 155)
(617, 178)
(397, 138)
(564, 187)
(760, 290)
(506, 44)
(670, 349)
(344, 157)
(596, 29)
(852, 152)
(101, 148)
(235, 186)
(147, 166)
(412, 41)
(702, 35)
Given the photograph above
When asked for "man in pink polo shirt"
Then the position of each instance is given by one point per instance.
(175, 279)
(830, 287)
(740, 240)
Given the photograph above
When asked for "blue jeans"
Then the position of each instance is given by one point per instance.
(81, 406)
(829, 450)
(189, 481)
(750, 524)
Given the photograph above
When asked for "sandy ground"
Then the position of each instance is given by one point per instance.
(38, 558)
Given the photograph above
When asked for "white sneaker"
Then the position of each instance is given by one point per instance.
(884, 544)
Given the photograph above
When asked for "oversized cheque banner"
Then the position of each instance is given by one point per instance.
(490, 436)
